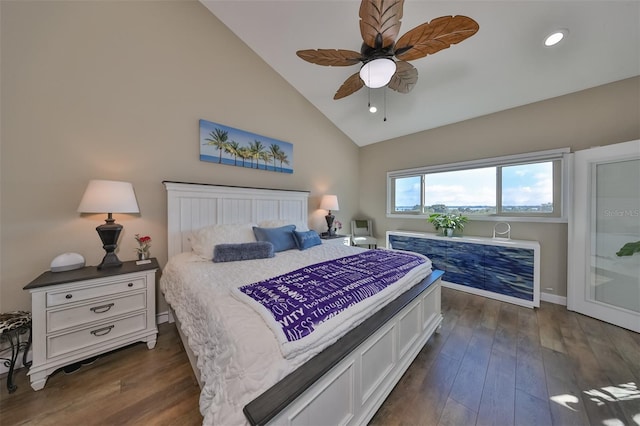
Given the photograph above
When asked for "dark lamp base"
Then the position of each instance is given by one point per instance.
(109, 233)
(330, 218)
(110, 260)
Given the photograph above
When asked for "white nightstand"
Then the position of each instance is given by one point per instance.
(82, 313)
(342, 240)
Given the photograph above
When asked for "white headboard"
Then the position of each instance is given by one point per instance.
(192, 206)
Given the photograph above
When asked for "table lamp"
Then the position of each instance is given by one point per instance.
(329, 202)
(108, 196)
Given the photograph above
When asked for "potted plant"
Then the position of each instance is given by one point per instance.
(448, 222)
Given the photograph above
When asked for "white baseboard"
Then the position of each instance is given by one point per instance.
(162, 317)
(553, 298)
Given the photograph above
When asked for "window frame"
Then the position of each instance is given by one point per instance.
(561, 173)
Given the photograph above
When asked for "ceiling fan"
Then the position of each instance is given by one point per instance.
(379, 27)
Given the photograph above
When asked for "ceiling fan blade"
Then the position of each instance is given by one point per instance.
(431, 37)
(405, 77)
(330, 57)
(380, 22)
(350, 85)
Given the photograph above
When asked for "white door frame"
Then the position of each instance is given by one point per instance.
(580, 236)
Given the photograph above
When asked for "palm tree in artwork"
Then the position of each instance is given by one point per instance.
(218, 138)
(232, 149)
(283, 158)
(266, 156)
(256, 148)
(244, 153)
(275, 152)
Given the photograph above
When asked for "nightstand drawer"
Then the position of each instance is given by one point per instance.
(75, 295)
(96, 311)
(87, 337)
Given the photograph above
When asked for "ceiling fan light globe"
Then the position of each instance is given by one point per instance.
(377, 73)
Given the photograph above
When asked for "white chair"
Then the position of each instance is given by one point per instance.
(362, 233)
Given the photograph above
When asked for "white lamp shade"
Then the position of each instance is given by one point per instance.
(108, 196)
(377, 73)
(329, 202)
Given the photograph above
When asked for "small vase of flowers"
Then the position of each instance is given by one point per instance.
(144, 243)
(337, 225)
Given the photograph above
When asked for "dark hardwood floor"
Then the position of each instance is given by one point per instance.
(130, 386)
(492, 363)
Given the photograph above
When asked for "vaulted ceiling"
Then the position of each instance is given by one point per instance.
(504, 65)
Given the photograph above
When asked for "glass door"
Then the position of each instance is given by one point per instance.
(604, 232)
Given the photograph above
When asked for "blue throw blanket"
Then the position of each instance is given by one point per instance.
(301, 300)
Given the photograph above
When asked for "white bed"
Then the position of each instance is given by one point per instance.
(244, 376)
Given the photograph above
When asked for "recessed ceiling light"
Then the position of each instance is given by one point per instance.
(555, 37)
(373, 109)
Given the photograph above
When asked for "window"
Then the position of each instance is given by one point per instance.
(470, 191)
(527, 188)
(528, 185)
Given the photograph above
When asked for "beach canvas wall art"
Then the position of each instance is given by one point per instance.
(233, 147)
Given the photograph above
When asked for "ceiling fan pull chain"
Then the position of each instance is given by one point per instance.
(385, 103)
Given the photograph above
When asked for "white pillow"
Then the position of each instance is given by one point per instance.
(277, 223)
(205, 239)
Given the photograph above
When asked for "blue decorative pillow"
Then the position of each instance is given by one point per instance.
(307, 239)
(242, 251)
(281, 238)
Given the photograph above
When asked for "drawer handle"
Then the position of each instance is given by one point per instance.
(130, 285)
(68, 296)
(101, 309)
(102, 331)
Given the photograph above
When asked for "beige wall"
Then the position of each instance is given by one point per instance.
(601, 116)
(114, 90)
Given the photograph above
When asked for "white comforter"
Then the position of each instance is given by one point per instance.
(238, 354)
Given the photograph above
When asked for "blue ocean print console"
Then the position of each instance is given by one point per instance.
(506, 270)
